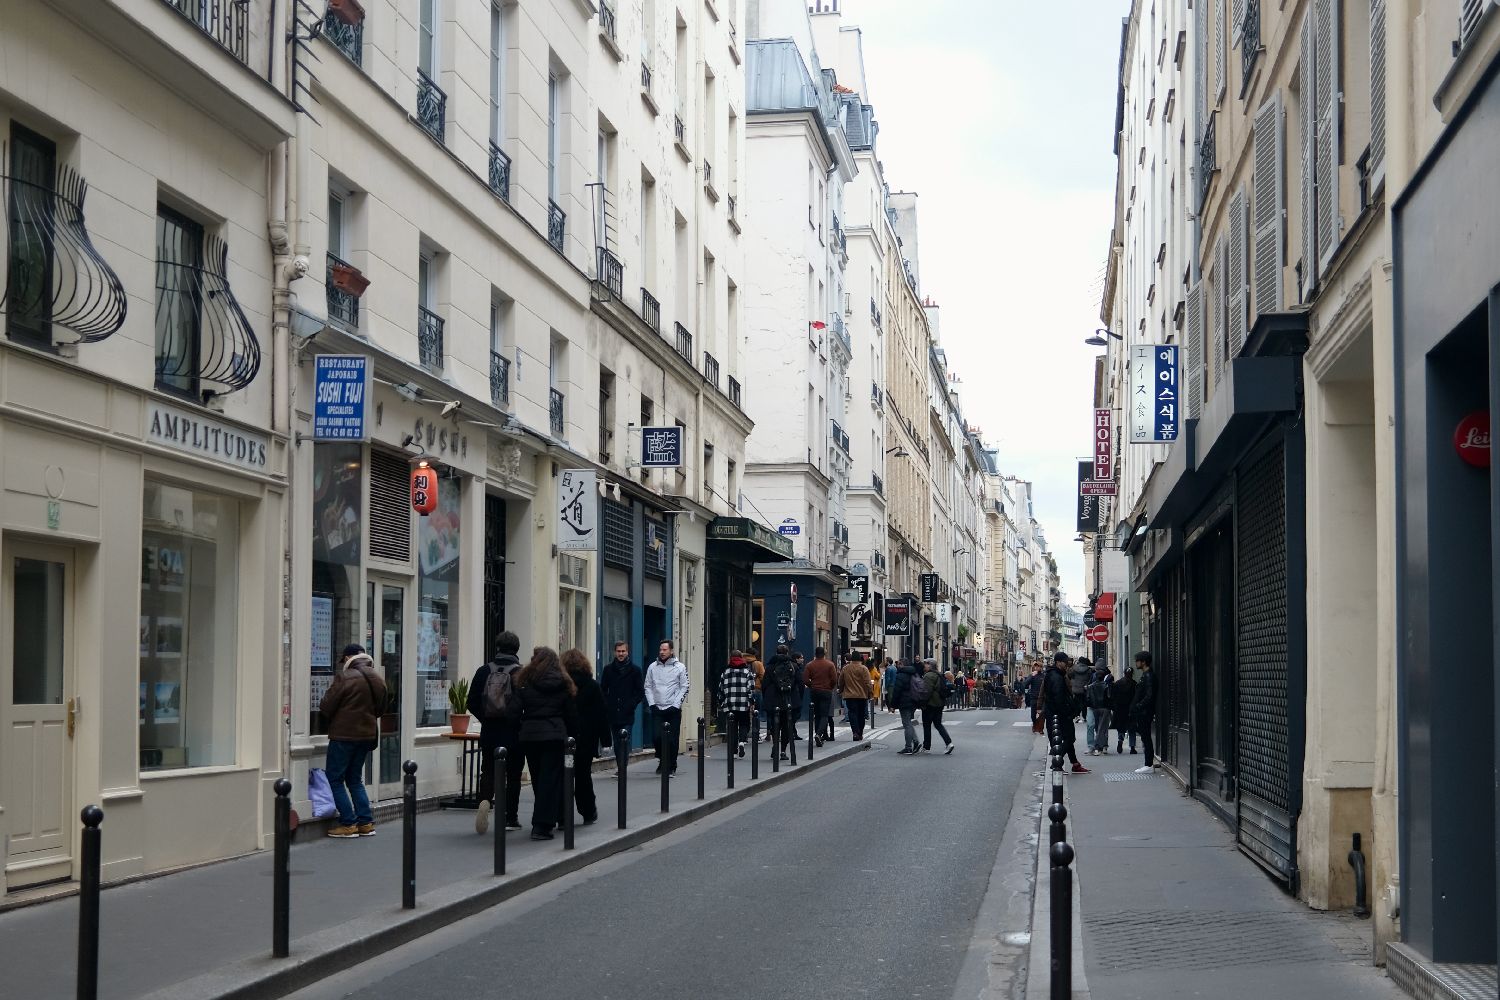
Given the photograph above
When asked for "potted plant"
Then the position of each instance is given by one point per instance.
(348, 278)
(458, 701)
(348, 11)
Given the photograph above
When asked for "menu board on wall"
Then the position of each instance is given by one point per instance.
(322, 632)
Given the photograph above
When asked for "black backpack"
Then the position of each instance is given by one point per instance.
(499, 693)
(784, 676)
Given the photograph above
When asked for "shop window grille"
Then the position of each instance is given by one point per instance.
(618, 535)
(390, 507)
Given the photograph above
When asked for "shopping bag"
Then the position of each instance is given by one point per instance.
(320, 792)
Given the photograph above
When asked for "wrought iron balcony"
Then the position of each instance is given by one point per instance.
(711, 369)
(684, 342)
(607, 22)
(225, 21)
(429, 339)
(650, 310)
(499, 380)
(343, 305)
(611, 273)
(878, 483)
(877, 395)
(840, 438)
(499, 172)
(1208, 156)
(432, 106)
(734, 390)
(645, 76)
(54, 278)
(841, 332)
(557, 225)
(204, 343)
(1249, 42)
(879, 560)
(733, 208)
(347, 38)
(679, 130)
(708, 173)
(555, 412)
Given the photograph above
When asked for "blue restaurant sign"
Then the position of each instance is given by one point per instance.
(341, 394)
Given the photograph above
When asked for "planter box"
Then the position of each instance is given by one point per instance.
(348, 11)
(347, 278)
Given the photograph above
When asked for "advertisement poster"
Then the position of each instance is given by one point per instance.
(429, 642)
(322, 632)
(168, 638)
(337, 475)
(437, 533)
(168, 702)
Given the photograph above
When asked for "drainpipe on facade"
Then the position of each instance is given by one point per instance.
(281, 410)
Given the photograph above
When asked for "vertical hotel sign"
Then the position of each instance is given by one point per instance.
(1153, 394)
(1104, 445)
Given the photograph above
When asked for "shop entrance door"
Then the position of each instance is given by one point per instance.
(36, 673)
(385, 611)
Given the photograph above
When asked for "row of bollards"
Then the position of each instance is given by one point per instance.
(1060, 853)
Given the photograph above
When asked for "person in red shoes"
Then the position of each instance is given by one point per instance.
(1057, 708)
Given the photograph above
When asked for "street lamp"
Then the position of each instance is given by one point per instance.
(1097, 340)
(898, 452)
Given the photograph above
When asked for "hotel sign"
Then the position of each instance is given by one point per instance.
(1104, 445)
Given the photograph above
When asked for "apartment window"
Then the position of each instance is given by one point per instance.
(427, 38)
(497, 74)
(648, 229)
(179, 305)
(648, 412)
(606, 414)
(29, 255)
(554, 149)
(500, 308)
(429, 324)
(732, 485)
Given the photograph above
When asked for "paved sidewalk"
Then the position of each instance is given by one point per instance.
(206, 932)
(1171, 908)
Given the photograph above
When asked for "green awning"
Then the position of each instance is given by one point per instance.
(768, 545)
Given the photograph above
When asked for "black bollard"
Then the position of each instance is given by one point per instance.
(754, 744)
(813, 722)
(667, 736)
(1062, 922)
(88, 905)
(702, 754)
(281, 883)
(501, 794)
(776, 742)
(733, 745)
(409, 835)
(622, 754)
(568, 748)
(1058, 814)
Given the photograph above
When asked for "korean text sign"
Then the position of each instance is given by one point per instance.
(1153, 394)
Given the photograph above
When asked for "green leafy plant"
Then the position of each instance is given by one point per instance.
(458, 697)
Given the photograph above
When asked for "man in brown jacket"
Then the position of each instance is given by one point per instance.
(353, 706)
(857, 688)
(821, 678)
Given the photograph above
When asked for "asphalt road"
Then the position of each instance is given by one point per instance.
(866, 880)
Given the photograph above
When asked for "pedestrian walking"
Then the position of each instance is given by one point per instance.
(736, 687)
(1122, 696)
(492, 701)
(624, 689)
(1034, 688)
(941, 694)
(1098, 696)
(666, 689)
(907, 693)
(888, 684)
(821, 677)
(1057, 707)
(1078, 679)
(593, 733)
(1143, 709)
(352, 707)
(799, 693)
(876, 676)
(857, 687)
(549, 715)
(757, 697)
(779, 689)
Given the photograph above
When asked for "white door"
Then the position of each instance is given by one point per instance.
(36, 673)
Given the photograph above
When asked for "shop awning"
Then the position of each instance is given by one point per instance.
(758, 543)
(1104, 608)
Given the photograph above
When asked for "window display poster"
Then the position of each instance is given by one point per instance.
(337, 478)
(437, 534)
(429, 642)
(435, 698)
(145, 637)
(141, 719)
(322, 632)
(320, 685)
(168, 702)
(168, 637)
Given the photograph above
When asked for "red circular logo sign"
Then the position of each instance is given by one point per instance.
(1472, 439)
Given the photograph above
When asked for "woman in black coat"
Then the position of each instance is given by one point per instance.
(1122, 695)
(1057, 705)
(549, 715)
(593, 732)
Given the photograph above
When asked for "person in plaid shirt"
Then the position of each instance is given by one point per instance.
(735, 686)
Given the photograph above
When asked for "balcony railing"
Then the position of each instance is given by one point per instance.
(607, 22)
(432, 106)
(347, 38)
(555, 412)
(841, 332)
(878, 483)
(1208, 156)
(225, 21)
(342, 306)
(684, 342)
(874, 313)
(429, 339)
(499, 380)
(651, 310)
(733, 208)
(679, 130)
(879, 560)
(499, 172)
(877, 395)
(557, 225)
(611, 273)
(840, 438)
(734, 391)
(1249, 42)
(205, 345)
(645, 76)
(708, 173)
(711, 369)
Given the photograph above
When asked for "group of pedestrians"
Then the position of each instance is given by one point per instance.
(918, 686)
(1070, 691)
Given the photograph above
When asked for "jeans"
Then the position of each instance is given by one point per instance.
(346, 773)
(909, 726)
(666, 749)
(933, 717)
(822, 705)
(1099, 728)
(856, 709)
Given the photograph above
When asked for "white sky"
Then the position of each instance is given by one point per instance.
(1000, 115)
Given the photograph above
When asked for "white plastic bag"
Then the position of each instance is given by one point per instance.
(320, 792)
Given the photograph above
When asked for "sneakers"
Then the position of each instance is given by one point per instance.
(541, 835)
(482, 817)
(1147, 769)
(1093, 753)
(1080, 769)
(512, 824)
(367, 829)
(344, 832)
(742, 750)
(905, 752)
(949, 750)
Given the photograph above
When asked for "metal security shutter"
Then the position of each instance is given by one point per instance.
(1270, 206)
(1327, 139)
(1377, 91)
(1238, 269)
(1176, 724)
(1308, 126)
(494, 571)
(1194, 382)
(1262, 731)
(390, 507)
(619, 535)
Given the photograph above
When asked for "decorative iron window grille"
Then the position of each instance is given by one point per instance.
(557, 225)
(429, 339)
(645, 77)
(679, 130)
(555, 412)
(499, 380)
(611, 273)
(607, 23)
(204, 343)
(684, 342)
(342, 306)
(708, 173)
(734, 390)
(650, 310)
(711, 369)
(1249, 43)
(733, 208)
(225, 21)
(54, 277)
(1208, 156)
(878, 483)
(347, 38)
(499, 172)
(432, 106)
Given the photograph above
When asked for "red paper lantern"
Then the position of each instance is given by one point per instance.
(424, 489)
(1471, 439)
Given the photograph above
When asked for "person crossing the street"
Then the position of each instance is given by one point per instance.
(858, 690)
(940, 693)
(907, 693)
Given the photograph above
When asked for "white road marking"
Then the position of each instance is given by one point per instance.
(1017, 723)
(990, 723)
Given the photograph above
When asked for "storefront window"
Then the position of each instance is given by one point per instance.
(823, 624)
(337, 540)
(437, 601)
(573, 602)
(188, 636)
(758, 628)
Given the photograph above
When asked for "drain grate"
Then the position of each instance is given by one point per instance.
(1129, 776)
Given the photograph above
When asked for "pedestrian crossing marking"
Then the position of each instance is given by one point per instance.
(1019, 723)
(990, 723)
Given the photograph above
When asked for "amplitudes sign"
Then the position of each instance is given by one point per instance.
(1104, 444)
(1153, 394)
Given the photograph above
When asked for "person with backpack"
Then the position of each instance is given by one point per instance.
(1098, 695)
(779, 689)
(857, 689)
(549, 715)
(492, 701)
(940, 693)
(908, 693)
(593, 732)
(352, 705)
(1057, 708)
(666, 690)
(736, 690)
(1122, 695)
(624, 689)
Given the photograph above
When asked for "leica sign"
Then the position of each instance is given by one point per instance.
(1471, 439)
(1104, 445)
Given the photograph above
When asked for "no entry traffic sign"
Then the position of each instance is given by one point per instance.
(1099, 633)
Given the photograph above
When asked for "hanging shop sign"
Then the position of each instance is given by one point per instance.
(898, 615)
(1088, 505)
(661, 447)
(577, 510)
(1104, 444)
(1153, 394)
(1471, 439)
(929, 582)
(341, 392)
(944, 613)
(424, 489)
(848, 595)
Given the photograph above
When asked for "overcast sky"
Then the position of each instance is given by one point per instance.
(1000, 115)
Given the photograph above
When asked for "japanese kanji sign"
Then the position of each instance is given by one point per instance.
(577, 510)
(1153, 394)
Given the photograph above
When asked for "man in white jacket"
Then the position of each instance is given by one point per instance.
(666, 691)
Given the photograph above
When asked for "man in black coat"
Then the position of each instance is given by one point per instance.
(624, 690)
(1143, 708)
(1057, 704)
(501, 731)
(1122, 696)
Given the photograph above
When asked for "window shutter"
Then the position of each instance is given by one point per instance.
(390, 507)
(1270, 205)
(1221, 308)
(1327, 152)
(1237, 22)
(1200, 73)
(1377, 91)
(1193, 383)
(1235, 277)
(1308, 128)
(1469, 13)
(1221, 50)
